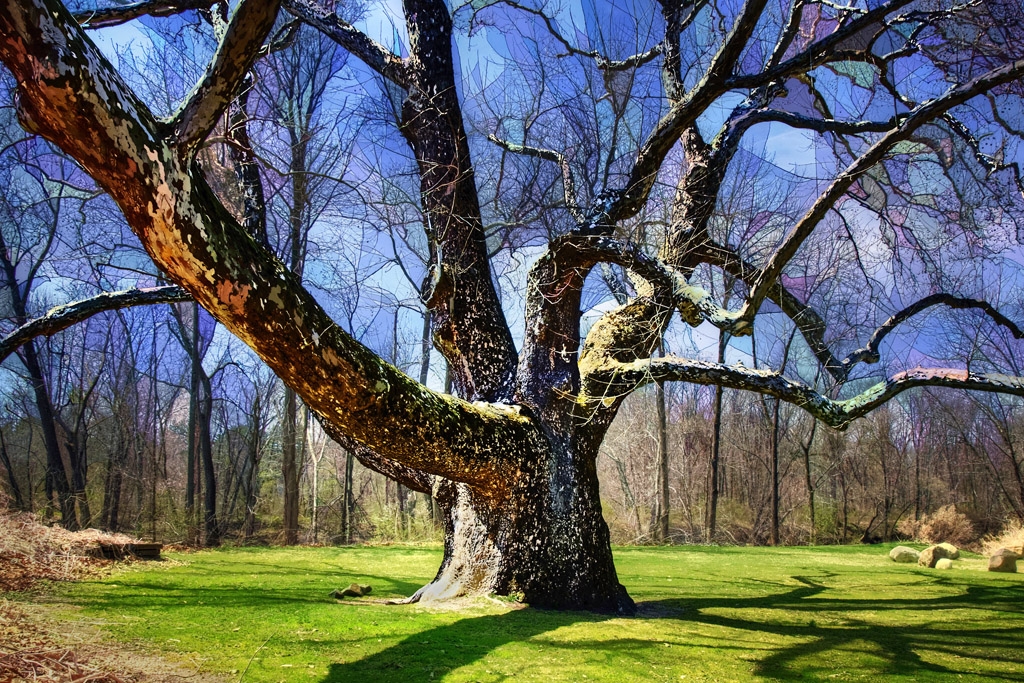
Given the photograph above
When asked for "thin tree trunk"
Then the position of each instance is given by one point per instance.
(15, 489)
(809, 480)
(774, 531)
(662, 484)
(289, 469)
(193, 427)
(57, 481)
(211, 527)
(348, 509)
(716, 441)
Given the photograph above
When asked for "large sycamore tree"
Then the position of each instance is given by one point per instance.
(510, 457)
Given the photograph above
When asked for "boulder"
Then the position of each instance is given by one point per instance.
(952, 551)
(944, 563)
(354, 590)
(1003, 560)
(902, 553)
(931, 555)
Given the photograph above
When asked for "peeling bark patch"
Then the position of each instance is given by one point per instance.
(233, 295)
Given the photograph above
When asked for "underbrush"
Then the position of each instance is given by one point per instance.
(31, 551)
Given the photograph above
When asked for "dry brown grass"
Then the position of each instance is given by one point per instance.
(1012, 537)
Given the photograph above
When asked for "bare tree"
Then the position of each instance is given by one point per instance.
(516, 449)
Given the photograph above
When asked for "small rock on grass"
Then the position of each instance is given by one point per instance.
(1003, 560)
(902, 553)
(944, 563)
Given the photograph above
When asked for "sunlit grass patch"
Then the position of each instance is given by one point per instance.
(704, 614)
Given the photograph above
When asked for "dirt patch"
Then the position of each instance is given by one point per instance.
(38, 643)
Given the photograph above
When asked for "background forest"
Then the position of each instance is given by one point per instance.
(153, 420)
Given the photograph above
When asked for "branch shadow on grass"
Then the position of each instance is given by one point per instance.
(800, 632)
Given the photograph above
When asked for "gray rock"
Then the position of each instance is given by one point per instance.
(902, 553)
(952, 551)
(931, 555)
(1003, 560)
(944, 563)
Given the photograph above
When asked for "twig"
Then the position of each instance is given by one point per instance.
(242, 675)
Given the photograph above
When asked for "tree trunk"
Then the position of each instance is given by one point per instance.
(716, 446)
(111, 511)
(251, 469)
(193, 424)
(11, 477)
(211, 527)
(774, 532)
(56, 474)
(289, 468)
(662, 487)
(547, 542)
(348, 500)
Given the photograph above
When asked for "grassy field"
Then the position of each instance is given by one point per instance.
(836, 613)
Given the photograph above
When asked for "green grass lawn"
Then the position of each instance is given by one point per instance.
(838, 613)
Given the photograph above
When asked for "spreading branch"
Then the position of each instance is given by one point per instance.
(603, 63)
(115, 16)
(869, 353)
(62, 317)
(805, 226)
(199, 245)
(717, 81)
(373, 54)
(614, 378)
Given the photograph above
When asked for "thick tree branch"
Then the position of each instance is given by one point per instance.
(406, 476)
(373, 54)
(467, 318)
(820, 125)
(611, 379)
(799, 232)
(74, 98)
(62, 317)
(117, 15)
(684, 114)
(695, 304)
(248, 28)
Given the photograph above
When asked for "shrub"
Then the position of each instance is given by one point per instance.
(947, 525)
